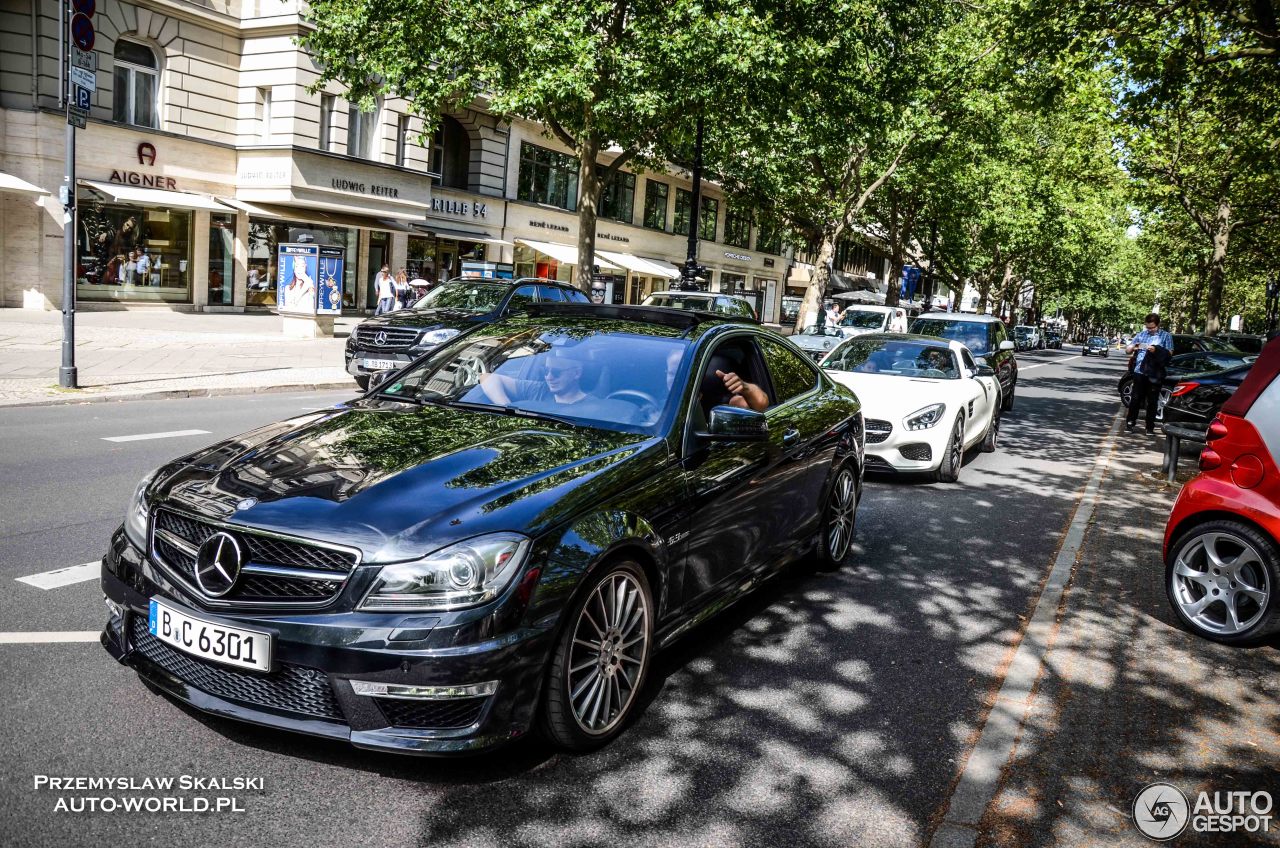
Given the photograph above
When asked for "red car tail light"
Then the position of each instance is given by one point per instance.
(1209, 459)
(1217, 430)
(1183, 388)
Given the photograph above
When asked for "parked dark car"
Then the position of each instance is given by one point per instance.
(1053, 339)
(393, 340)
(1186, 343)
(1250, 344)
(986, 338)
(721, 304)
(1180, 367)
(1195, 399)
(496, 539)
(1095, 346)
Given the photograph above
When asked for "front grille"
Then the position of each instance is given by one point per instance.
(875, 463)
(918, 451)
(442, 714)
(328, 566)
(877, 430)
(294, 688)
(395, 338)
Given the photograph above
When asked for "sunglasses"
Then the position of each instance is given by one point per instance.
(559, 370)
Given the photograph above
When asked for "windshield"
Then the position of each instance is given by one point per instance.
(609, 378)
(1098, 340)
(1022, 331)
(469, 297)
(863, 320)
(895, 358)
(679, 301)
(1216, 344)
(971, 334)
(819, 330)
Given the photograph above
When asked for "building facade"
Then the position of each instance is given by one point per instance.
(206, 148)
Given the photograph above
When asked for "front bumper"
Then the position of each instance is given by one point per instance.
(356, 360)
(906, 450)
(316, 655)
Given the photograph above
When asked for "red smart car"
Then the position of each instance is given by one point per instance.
(1222, 542)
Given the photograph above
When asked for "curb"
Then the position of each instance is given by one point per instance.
(167, 394)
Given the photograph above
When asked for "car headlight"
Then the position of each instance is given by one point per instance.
(436, 337)
(462, 575)
(923, 419)
(135, 518)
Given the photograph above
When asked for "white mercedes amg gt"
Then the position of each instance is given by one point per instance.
(925, 401)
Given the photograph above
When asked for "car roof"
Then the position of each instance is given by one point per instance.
(929, 341)
(959, 316)
(680, 320)
(542, 281)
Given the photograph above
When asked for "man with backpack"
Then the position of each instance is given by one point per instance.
(1151, 350)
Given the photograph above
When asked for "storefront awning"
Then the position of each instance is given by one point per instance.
(640, 265)
(566, 253)
(12, 185)
(460, 235)
(156, 196)
(322, 217)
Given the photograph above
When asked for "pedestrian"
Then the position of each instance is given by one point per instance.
(404, 291)
(385, 286)
(1151, 350)
(142, 268)
(131, 268)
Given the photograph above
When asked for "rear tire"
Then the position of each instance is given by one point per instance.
(839, 519)
(1223, 579)
(953, 459)
(601, 661)
(993, 432)
(1006, 402)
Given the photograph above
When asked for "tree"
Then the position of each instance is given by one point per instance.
(618, 77)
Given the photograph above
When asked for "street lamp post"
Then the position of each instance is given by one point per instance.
(691, 270)
(1273, 303)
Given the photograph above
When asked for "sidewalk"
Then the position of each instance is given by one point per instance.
(159, 353)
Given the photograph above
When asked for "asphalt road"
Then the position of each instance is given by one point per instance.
(826, 710)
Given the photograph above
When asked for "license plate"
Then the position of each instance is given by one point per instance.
(217, 642)
(380, 364)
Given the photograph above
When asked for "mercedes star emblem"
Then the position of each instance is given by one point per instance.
(247, 503)
(381, 338)
(218, 564)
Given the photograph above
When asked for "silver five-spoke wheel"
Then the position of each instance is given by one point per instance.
(1220, 584)
(609, 650)
(844, 505)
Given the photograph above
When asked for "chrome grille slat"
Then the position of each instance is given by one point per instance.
(877, 430)
(397, 338)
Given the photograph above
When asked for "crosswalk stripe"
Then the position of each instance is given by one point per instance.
(35, 637)
(166, 435)
(60, 577)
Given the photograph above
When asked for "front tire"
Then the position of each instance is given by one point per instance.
(839, 519)
(953, 459)
(1222, 579)
(1006, 403)
(993, 432)
(602, 659)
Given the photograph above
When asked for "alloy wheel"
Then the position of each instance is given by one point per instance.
(957, 446)
(1220, 584)
(610, 646)
(842, 508)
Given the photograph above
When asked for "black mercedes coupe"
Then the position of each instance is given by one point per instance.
(496, 539)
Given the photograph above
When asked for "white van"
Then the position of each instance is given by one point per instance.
(861, 319)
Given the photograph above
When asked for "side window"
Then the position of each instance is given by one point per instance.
(521, 298)
(995, 336)
(549, 294)
(968, 359)
(1182, 344)
(790, 374)
(574, 296)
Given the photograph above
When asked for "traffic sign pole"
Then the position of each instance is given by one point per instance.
(79, 89)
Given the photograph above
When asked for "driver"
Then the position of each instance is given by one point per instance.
(561, 381)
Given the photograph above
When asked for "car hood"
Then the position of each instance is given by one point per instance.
(817, 342)
(398, 481)
(423, 319)
(892, 398)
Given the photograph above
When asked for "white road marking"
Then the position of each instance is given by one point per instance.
(60, 577)
(166, 435)
(35, 637)
(1022, 368)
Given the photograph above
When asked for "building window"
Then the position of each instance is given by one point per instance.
(132, 251)
(137, 85)
(655, 204)
(769, 239)
(547, 177)
(361, 130)
(450, 154)
(402, 139)
(737, 227)
(328, 109)
(709, 211)
(618, 197)
(264, 115)
(684, 201)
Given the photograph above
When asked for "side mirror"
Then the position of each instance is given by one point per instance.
(378, 378)
(1007, 345)
(731, 424)
(984, 371)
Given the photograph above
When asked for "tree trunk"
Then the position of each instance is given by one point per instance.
(588, 203)
(984, 292)
(1196, 293)
(1217, 268)
(893, 293)
(811, 308)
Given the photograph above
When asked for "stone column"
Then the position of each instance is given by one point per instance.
(399, 255)
(240, 267)
(362, 269)
(198, 270)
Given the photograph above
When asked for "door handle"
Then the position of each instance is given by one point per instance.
(790, 437)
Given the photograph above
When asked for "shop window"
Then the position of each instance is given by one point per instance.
(450, 154)
(222, 237)
(130, 252)
(708, 213)
(362, 128)
(265, 236)
(547, 177)
(328, 112)
(135, 99)
(684, 202)
(618, 196)
(737, 227)
(655, 204)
